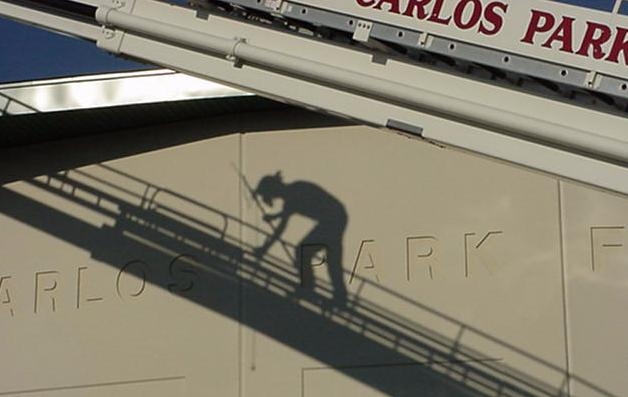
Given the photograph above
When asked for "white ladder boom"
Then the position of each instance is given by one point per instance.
(370, 86)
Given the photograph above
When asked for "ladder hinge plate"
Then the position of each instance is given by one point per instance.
(273, 5)
(362, 31)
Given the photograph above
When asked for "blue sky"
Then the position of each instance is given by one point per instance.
(28, 53)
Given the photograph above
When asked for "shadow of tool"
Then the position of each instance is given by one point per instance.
(358, 337)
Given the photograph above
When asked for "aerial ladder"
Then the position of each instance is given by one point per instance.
(538, 83)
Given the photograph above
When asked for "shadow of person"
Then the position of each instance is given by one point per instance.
(311, 201)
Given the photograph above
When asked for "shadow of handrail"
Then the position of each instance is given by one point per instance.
(9, 100)
(145, 221)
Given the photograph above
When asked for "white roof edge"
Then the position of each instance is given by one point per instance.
(106, 90)
(85, 77)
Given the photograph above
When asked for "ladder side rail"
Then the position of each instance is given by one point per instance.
(64, 24)
(370, 110)
(397, 82)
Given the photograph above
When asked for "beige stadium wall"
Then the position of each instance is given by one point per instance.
(129, 267)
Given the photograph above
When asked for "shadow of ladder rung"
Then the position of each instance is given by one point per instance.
(65, 181)
(455, 348)
(260, 274)
(353, 304)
